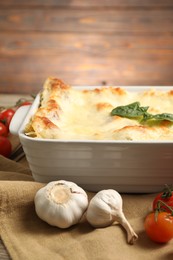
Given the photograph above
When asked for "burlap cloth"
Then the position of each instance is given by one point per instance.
(26, 237)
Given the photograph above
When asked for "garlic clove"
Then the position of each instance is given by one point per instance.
(61, 203)
(105, 208)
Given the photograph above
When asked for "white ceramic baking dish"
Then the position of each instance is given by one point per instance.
(127, 166)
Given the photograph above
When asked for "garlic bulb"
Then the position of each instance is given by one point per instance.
(105, 208)
(61, 203)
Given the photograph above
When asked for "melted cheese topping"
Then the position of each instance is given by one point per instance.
(72, 114)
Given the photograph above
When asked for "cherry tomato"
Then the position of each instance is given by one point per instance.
(160, 228)
(5, 146)
(22, 102)
(166, 196)
(25, 103)
(3, 130)
(6, 116)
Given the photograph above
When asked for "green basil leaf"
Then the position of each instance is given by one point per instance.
(147, 116)
(164, 116)
(135, 111)
(132, 110)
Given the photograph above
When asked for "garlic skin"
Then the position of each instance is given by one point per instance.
(105, 208)
(61, 203)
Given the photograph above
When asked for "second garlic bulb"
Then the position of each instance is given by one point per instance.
(105, 208)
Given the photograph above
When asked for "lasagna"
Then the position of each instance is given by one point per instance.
(68, 113)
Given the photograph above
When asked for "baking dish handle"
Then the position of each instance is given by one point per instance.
(18, 118)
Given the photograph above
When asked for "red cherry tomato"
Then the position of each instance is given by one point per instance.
(22, 102)
(3, 130)
(25, 103)
(166, 196)
(5, 146)
(160, 228)
(6, 116)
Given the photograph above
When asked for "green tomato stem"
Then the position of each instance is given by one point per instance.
(164, 204)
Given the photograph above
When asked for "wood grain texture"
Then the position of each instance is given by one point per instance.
(82, 59)
(85, 43)
(88, 3)
(40, 43)
(86, 21)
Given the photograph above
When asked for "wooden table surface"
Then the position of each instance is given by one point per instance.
(93, 42)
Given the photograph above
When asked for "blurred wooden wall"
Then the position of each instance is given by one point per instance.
(94, 42)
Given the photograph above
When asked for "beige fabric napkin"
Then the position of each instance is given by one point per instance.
(27, 237)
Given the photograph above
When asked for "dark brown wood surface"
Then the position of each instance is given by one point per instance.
(113, 42)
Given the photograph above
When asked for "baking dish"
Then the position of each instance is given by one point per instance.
(127, 166)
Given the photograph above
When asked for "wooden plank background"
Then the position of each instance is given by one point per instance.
(94, 42)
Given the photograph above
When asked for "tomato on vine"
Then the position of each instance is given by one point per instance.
(165, 196)
(160, 228)
(5, 146)
(6, 116)
(159, 223)
(23, 102)
(3, 130)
